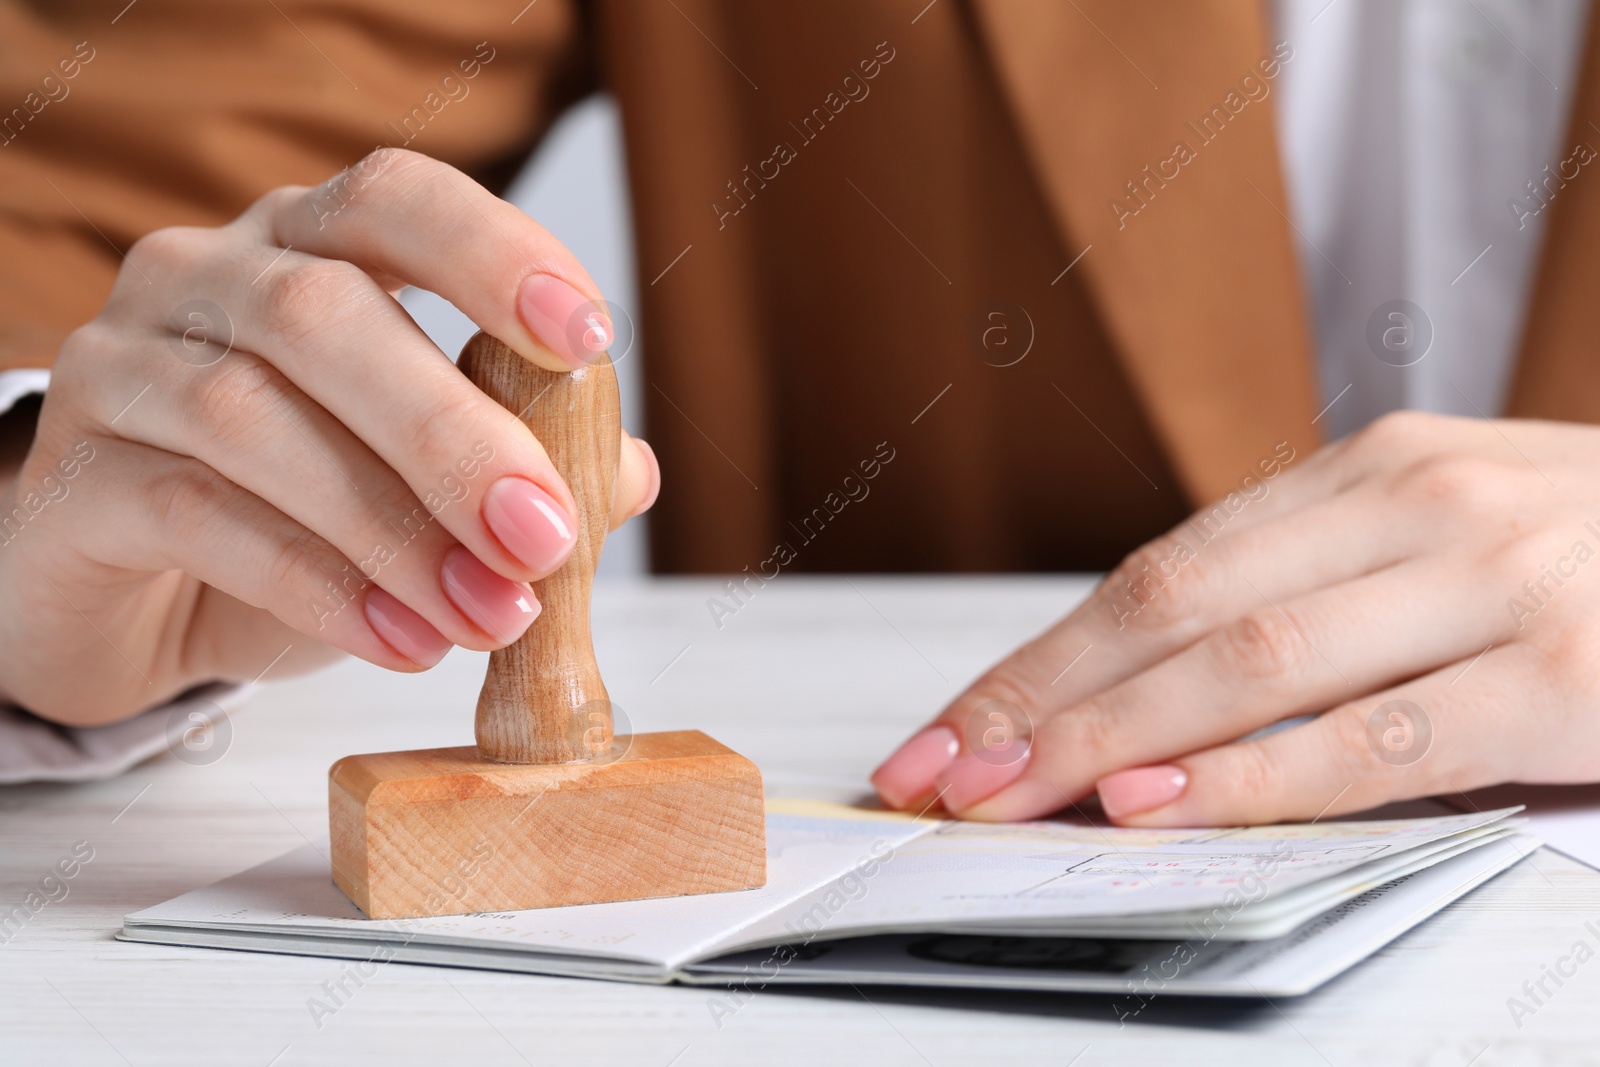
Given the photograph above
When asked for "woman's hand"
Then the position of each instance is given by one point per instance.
(1429, 585)
(253, 451)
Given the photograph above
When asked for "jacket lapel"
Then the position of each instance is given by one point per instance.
(1155, 158)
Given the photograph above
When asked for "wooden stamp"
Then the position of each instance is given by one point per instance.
(549, 808)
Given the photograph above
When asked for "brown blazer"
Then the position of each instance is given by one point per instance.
(833, 202)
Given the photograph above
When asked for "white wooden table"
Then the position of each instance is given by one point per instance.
(813, 679)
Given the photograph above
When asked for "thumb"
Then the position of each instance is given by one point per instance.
(638, 480)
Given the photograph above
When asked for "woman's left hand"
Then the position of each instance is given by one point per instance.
(1428, 585)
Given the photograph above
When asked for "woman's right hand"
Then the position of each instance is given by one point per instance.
(253, 451)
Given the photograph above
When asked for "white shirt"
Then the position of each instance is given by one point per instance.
(1408, 133)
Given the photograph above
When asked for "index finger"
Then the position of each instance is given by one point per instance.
(1144, 613)
(408, 217)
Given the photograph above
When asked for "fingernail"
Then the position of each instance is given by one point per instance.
(529, 523)
(1141, 789)
(655, 479)
(908, 774)
(982, 775)
(503, 609)
(565, 321)
(403, 629)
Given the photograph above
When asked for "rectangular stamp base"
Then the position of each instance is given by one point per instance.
(445, 832)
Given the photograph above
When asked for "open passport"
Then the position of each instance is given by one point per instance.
(868, 897)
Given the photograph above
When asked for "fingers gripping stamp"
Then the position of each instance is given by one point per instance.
(549, 807)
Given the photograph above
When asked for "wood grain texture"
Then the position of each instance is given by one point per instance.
(550, 808)
(543, 700)
(445, 832)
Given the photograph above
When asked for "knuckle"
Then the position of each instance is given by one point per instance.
(386, 169)
(188, 501)
(1262, 645)
(229, 404)
(1527, 557)
(1399, 433)
(1182, 602)
(165, 249)
(296, 301)
(1254, 773)
(274, 200)
(400, 172)
(1348, 747)
(1092, 733)
(439, 427)
(398, 511)
(1566, 660)
(79, 350)
(302, 561)
(78, 375)
(1032, 669)
(1159, 584)
(1005, 684)
(1453, 481)
(395, 161)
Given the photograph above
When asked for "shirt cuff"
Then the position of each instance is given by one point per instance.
(196, 728)
(16, 384)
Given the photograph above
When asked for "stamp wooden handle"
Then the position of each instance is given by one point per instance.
(543, 700)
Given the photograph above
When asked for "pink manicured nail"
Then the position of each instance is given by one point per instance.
(403, 629)
(564, 320)
(982, 775)
(908, 775)
(1141, 789)
(530, 523)
(503, 609)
